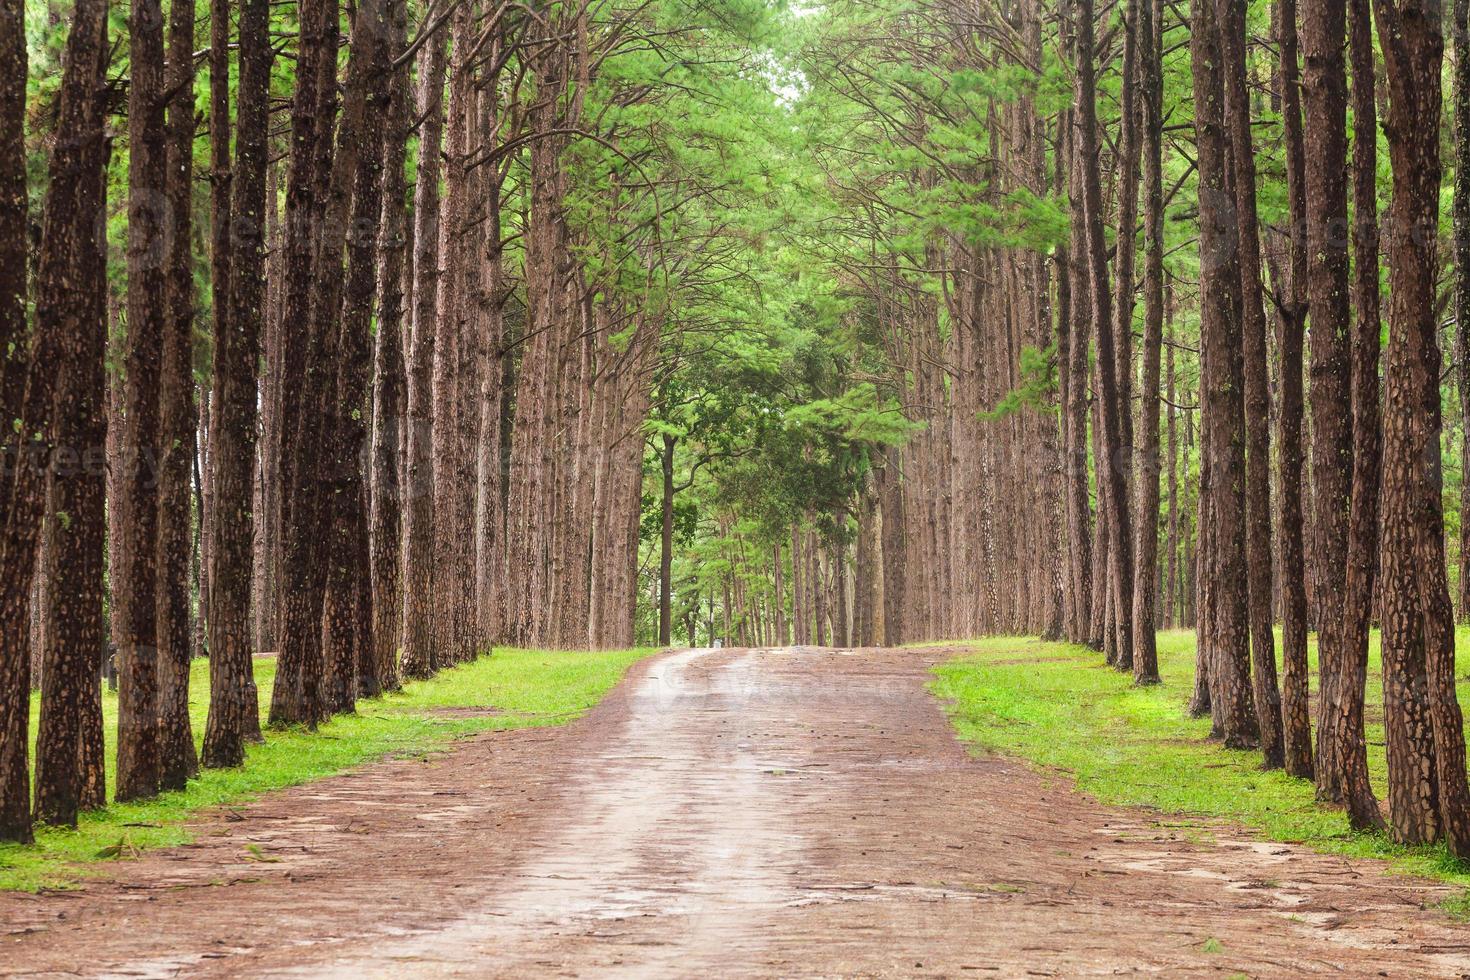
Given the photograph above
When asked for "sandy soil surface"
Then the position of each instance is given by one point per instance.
(793, 812)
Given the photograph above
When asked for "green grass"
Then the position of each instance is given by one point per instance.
(1060, 707)
(525, 688)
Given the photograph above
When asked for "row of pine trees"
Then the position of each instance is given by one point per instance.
(365, 388)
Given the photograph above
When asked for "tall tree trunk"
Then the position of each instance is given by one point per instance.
(1291, 319)
(17, 518)
(1325, 158)
(1146, 477)
(202, 501)
(418, 532)
(221, 246)
(1172, 576)
(666, 543)
(1189, 550)
(489, 518)
(1200, 701)
(136, 590)
(1110, 388)
(470, 371)
(267, 483)
(177, 416)
(1350, 751)
(449, 327)
(798, 594)
(1072, 511)
(1231, 20)
(348, 609)
(234, 711)
(14, 205)
(92, 748)
(537, 481)
(1099, 633)
(818, 588)
(841, 629)
(270, 493)
(1418, 620)
(1079, 516)
(1227, 632)
(327, 449)
(40, 612)
(1461, 255)
(864, 579)
(388, 379)
(71, 284)
(890, 503)
(315, 212)
(18, 513)
(1120, 451)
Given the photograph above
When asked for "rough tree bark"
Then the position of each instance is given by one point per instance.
(1461, 255)
(1350, 749)
(135, 589)
(1418, 620)
(418, 531)
(358, 177)
(17, 515)
(1111, 409)
(1146, 476)
(177, 416)
(1325, 168)
(388, 379)
(1231, 24)
(1062, 256)
(219, 281)
(1120, 451)
(383, 21)
(533, 513)
(666, 542)
(308, 333)
(1291, 311)
(70, 283)
(268, 491)
(890, 502)
(233, 702)
(489, 510)
(1172, 578)
(456, 253)
(1079, 515)
(1227, 631)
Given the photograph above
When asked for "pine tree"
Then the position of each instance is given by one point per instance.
(1226, 634)
(1291, 310)
(1231, 21)
(135, 586)
(177, 416)
(18, 518)
(233, 707)
(1418, 620)
(70, 280)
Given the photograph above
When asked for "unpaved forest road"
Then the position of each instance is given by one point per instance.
(792, 812)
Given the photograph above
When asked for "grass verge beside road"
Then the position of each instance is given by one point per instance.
(1059, 706)
(516, 689)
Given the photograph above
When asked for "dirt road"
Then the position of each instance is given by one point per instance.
(793, 812)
